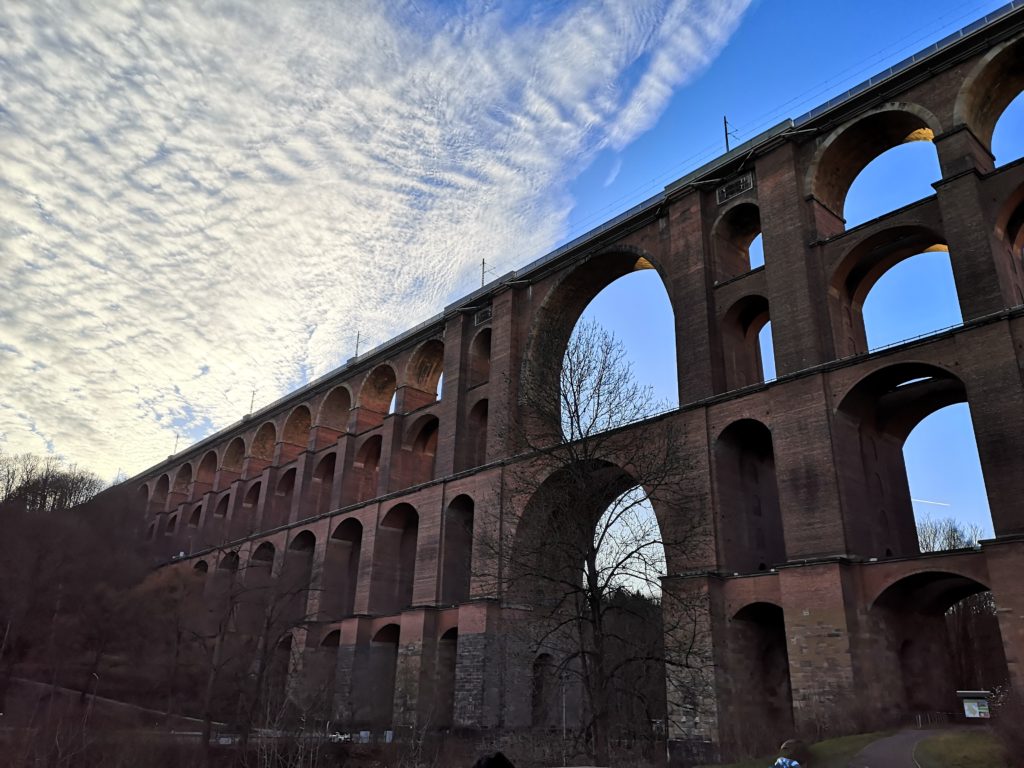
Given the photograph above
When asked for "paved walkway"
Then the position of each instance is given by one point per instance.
(891, 752)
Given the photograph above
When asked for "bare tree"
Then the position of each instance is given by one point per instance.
(582, 568)
(972, 624)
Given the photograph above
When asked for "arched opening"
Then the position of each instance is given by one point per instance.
(201, 567)
(733, 238)
(377, 395)
(893, 312)
(473, 450)
(873, 193)
(296, 428)
(936, 632)
(381, 670)
(341, 570)
(622, 277)
(183, 479)
(234, 455)
(991, 94)
(258, 579)
(264, 442)
(394, 560)
(334, 412)
(646, 334)
(280, 663)
(457, 556)
(321, 671)
(221, 510)
(544, 691)
(480, 358)
(207, 468)
(284, 493)
(160, 492)
(872, 426)
(853, 147)
(151, 531)
(423, 451)
(424, 374)
(750, 536)
(766, 342)
(245, 518)
(743, 345)
(142, 499)
(588, 554)
(228, 562)
(947, 480)
(323, 483)
(196, 516)
(1010, 230)
(1007, 141)
(366, 468)
(296, 576)
(444, 686)
(760, 691)
(172, 523)
(913, 298)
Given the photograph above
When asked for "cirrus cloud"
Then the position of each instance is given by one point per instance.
(203, 198)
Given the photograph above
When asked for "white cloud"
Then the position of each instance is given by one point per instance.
(199, 198)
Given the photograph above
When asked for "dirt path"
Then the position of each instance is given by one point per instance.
(891, 752)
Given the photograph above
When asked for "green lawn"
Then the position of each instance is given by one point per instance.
(962, 749)
(832, 753)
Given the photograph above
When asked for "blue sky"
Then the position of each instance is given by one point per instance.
(205, 199)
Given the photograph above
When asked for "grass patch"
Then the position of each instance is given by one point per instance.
(961, 749)
(831, 753)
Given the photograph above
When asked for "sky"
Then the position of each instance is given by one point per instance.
(203, 202)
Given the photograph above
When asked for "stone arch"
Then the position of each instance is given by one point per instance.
(988, 89)
(480, 358)
(873, 420)
(196, 516)
(207, 468)
(161, 490)
(284, 495)
(201, 567)
(909, 624)
(228, 562)
(259, 579)
(731, 236)
(544, 687)
(172, 523)
(183, 478)
(848, 149)
(297, 426)
(366, 468)
(421, 438)
(560, 310)
(473, 449)
(244, 520)
(334, 411)
(426, 366)
(221, 509)
(860, 268)
(457, 550)
(297, 574)
(323, 483)
(377, 391)
(341, 569)
(1010, 231)
(760, 690)
(394, 560)
(264, 441)
(382, 669)
(142, 498)
(555, 534)
(750, 534)
(444, 678)
(234, 455)
(741, 347)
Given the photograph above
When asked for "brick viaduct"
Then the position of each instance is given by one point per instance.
(820, 601)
